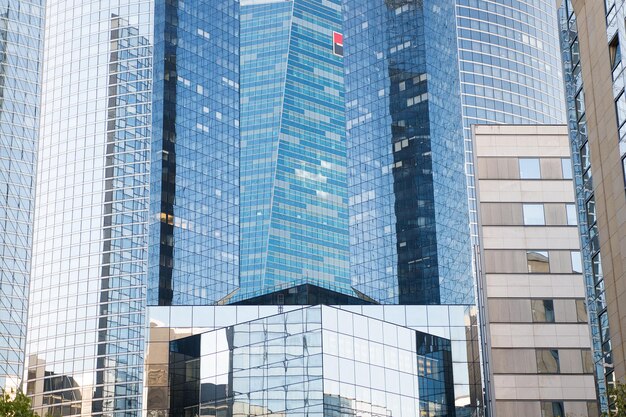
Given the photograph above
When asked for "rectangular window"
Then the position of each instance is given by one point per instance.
(575, 51)
(577, 266)
(548, 361)
(585, 160)
(552, 409)
(620, 108)
(614, 52)
(624, 170)
(538, 262)
(533, 215)
(591, 212)
(580, 104)
(529, 168)
(566, 168)
(581, 311)
(570, 210)
(587, 360)
(542, 311)
(592, 409)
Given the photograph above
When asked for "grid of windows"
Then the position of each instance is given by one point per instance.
(294, 205)
(86, 319)
(21, 34)
(589, 258)
(408, 213)
(510, 69)
(194, 185)
(372, 360)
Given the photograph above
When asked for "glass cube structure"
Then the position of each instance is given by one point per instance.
(315, 360)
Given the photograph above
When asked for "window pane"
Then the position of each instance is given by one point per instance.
(591, 212)
(538, 262)
(581, 311)
(587, 359)
(584, 156)
(548, 306)
(533, 214)
(542, 311)
(566, 168)
(577, 266)
(571, 214)
(557, 409)
(580, 104)
(575, 53)
(614, 52)
(592, 409)
(529, 168)
(548, 361)
(624, 170)
(620, 105)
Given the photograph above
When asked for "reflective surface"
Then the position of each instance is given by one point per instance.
(21, 35)
(194, 185)
(86, 318)
(294, 219)
(408, 214)
(270, 360)
(509, 57)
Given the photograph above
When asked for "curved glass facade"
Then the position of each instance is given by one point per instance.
(86, 319)
(510, 68)
(21, 36)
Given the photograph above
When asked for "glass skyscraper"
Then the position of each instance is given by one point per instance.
(21, 35)
(203, 159)
(510, 68)
(89, 272)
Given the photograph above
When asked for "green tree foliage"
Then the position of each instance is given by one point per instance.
(18, 406)
(617, 397)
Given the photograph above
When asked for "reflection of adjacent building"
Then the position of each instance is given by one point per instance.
(540, 346)
(58, 395)
(89, 252)
(284, 360)
(21, 41)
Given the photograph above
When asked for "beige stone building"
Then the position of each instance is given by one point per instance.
(541, 361)
(593, 38)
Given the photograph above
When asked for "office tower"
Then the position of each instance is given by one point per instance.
(540, 344)
(510, 68)
(86, 319)
(21, 26)
(594, 81)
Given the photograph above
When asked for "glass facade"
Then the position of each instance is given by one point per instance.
(194, 185)
(409, 234)
(86, 319)
(510, 69)
(319, 360)
(21, 38)
(294, 205)
(250, 194)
